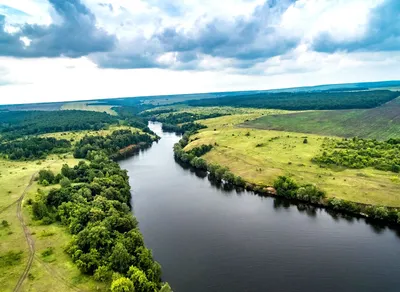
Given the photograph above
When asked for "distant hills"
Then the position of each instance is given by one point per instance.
(178, 98)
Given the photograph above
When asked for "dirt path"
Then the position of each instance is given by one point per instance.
(57, 275)
(31, 244)
(28, 236)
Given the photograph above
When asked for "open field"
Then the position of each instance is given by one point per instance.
(84, 106)
(75, 136)
(54, 272)
(260, 156)
(379, 123)
(48, 273)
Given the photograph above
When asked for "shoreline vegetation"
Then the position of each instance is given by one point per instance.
(81, 207)
(81, 196)
(283, 187)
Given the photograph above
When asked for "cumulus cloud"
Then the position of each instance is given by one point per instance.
(75, 34)
(382, 33)
(262, 37)
(245, 40)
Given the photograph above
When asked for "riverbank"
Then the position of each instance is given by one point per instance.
(245, 242)
(93, 197)
(283, 186)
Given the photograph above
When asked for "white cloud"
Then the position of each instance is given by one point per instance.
(135, 21)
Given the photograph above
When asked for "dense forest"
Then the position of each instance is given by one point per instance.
(33, 148)
(17, 124)
(117, 145)
(130, 116)
(304, 100)
(106, 240)
(361, 153)
(184, 117)
(178, 122)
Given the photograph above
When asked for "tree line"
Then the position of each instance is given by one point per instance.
(119, 144)
(33, 148)
(283, 186)
(14, 124)
(324, 100)
(178, 122)
(182, 117)
(360, 153)
(93, 201)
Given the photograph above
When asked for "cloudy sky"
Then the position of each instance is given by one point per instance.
(52, 50)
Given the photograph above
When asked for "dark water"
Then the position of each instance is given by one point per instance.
(211, 240)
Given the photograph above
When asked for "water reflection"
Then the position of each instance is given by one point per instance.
(211, 238)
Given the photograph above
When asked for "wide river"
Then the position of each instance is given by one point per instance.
(211, 240)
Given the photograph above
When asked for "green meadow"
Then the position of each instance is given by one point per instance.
(260, 156)
(378, 123)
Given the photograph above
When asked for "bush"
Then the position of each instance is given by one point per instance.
(310, 193)
(48, 252)
(5, 223)
(377, 212)
(122, 285)
(286, 187)
(11, 258)
(102, 274)
(65, 182)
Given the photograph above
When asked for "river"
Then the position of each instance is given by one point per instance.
(211, 240)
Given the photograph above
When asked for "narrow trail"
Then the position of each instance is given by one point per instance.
(28, 236)
(31, 244)
(57, 275)
(6, 207)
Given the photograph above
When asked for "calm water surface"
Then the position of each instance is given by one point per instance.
(211, 240)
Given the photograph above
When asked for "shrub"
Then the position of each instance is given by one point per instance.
(48, 252)
(122, 285)
(65, 182)
(286, 187)
(45, 183)
(310, 193)
(11, 258)
(5, 223)
(102, 274)
(46, 175)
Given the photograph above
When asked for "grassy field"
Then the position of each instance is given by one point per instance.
(260, 156)
(84, 106)
(78, 135)
(55, 272)
(378, 123)
(14, 178)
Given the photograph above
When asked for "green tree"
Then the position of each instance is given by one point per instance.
(47, 175)
(120, 258)
(102, 274)
(65, 182)
(166, 288)
(286, 187)
(122, 285)
(140, 281)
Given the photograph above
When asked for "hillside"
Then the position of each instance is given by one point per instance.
(378, 123)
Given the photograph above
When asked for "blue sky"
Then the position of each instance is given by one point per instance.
(53, 50)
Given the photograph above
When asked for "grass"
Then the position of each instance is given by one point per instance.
(84, 106)
(78, 135)
(14, 178)
(55, 271)
(378, 123)
(260, 156)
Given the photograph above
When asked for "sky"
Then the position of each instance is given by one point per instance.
(58, 50)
